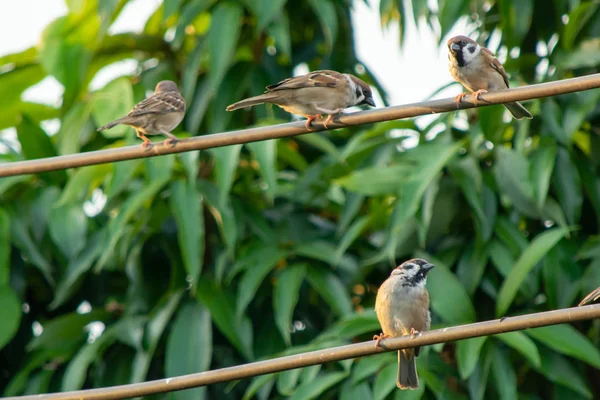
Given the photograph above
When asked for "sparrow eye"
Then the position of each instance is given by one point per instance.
(409, 266)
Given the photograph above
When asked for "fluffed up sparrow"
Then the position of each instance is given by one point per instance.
(158, 114)
(314, 94)
(476, 68)
(402, 308)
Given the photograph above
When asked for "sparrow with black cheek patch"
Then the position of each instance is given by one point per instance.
(314, 94)
(595, 295)
(158, 114)
(402, 308)
(476, 68)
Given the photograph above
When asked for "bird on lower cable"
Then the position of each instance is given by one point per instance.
(593, 296)
(402, 308)
(156, 115)
(314, 94)
(476, 68)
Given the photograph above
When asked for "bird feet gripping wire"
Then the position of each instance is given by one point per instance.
(379, 337)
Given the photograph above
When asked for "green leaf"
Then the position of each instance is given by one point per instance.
(265, 153)
(66, 331)
(377, 180)
(516, 20)
(567, 340)
(542, 164)
(467, 355)
(521, 343)
(385, 382)
(471, 266)
(129, 208)
(66, 50)
(504, 375)
(14, 82)
(34, 141)
(449, 13)
(112, 102)
(10, 314)
(68, 228)
(512, 175)
(186, 205)
(223, 36)
(285, 297)
(72, 127)
(82, 182)
(367, 366)
(318, 386)
(567, 185)
(22, 239)
(449, 300)
(287, 381)
(325, 13)
(222, 310)
(77, 370)
(577, 21)
(280, 30)
(331, 289)
(226, 163)
(153, 333)
(264, 11)
(4, 248)
(254, 275)
(189, 347)
(528, 259)
(351, 235)
(259, 382)
(76, 268)
(559, 370)
(351, 392)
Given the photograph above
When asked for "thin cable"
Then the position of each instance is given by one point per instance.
(297, 128)
(493, 327)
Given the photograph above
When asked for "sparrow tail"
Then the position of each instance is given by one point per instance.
(518, 111)
(407, 372)
(123, 120)
(595, 295)
(251, 101)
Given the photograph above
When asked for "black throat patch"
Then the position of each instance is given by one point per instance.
(458, 56)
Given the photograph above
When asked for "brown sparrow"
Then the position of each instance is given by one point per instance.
(476, 68)
(593, 296)
(402, 308)
(158, 114)
(313, 94)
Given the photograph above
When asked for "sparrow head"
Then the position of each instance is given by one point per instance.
(413, 273)
(362, 92)
(166, 86)
(463, 49)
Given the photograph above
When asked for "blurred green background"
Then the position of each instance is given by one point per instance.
(153, 268)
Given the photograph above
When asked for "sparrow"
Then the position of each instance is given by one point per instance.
(476, 68)
(313, 94)
(593, 296)
(158, 114)
(402, 308)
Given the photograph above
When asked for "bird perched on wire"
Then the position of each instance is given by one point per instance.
(593, 296)
(314, 94)
(476, 68)
(158, 114)
(402, 308)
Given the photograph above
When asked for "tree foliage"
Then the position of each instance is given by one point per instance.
(144, 269)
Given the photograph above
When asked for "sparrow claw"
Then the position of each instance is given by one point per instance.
(414, 333)
(328, 121)
(477, 94)
(459, 98)
(379, 337)
(170, 142)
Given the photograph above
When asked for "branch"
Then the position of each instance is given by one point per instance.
(297, 128)
(493, 327)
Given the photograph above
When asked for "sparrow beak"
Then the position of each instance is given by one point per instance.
(454, 47)
(427, 267)
(369, 101)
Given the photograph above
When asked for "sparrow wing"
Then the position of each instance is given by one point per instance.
(322, 78)
(159, 103)
(496, 64)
